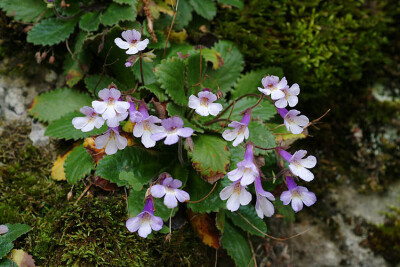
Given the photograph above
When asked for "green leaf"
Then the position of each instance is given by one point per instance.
(148, 72)
(128, 2)
(75, 67)
(92, 80)
(229, 72)
(161, 210)
(193, 71)
(235, 3)
(210, 157)
(156, 89)
(78, 164)
(51, 31)
(90, 21)
(26, 11)
(250, 81)
(250, 214)
(52, 105)
(263, 112)
(140, 162)
(6, 262)
(171, 75)
(236, 245)
(237, 155)
(63, 128)
(131, 180)
(174, 109)
(205, 8)
(14, 231)
(285, 210)
(220, 220)
(261, 136)
(116, 13)
(184, 15)
(198, 189)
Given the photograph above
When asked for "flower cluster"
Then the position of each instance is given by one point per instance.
(247, 171)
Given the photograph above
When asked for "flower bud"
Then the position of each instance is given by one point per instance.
(52, 59)
(44, 55)
(38, 57)
(219, 94)
(188, 144)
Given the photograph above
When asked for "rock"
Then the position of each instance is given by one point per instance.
(37, 134)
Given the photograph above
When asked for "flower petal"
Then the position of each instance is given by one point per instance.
(111, 147)
(229, 134)
(121, 106)
(80, 122)
(170, 200)
(157, 191)
(102, 140)
(245, 197)
(142, 45)
(99, 106)
(138, 129)
(185, 132)
(88, 127)
(133, 50)
(286, 197)
(281, 103)
(194, 102)
(121, 141)
(156, 223)
(181, 195)
(297, 204)
(104, 94)
(144, 229)
(308, 162)
(214, 108)
(308, 198)
(226, 192)
(134, 223)
(233, 203)
(158, 136)
(146, 139)
(302, 172)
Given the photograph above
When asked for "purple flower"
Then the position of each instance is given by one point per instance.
(263, 204)
(297, 195)
(240, 130)
(169, 189)
(172, 130)
(86, 124)
(290, 97)
(145, 125)
(203, 105)
(145, 221)
(132, 42)
(299, 166)
(246, 169)
(237, 195)
(110, 106)
(128, 64)
(293, 122)
(111, 141)
(272, 86)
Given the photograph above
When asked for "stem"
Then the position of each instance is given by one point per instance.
(198, 85)
(141, 67)
(170, 28)
(180, 151)
(200, 200)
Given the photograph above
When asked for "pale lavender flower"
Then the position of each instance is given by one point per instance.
(86, 124)
(3, 229)
(290, 97)
(299, 166)
(132, 42)
(236, 194)
(264, 198)
(293, 122)
(145, 221)
(297, 195)
(246, 170)
(172, 130)
(240, 130)
(203, 105)
(110, 105)
(169, 189)
(111, 141)
(145, 125)
(272, 86)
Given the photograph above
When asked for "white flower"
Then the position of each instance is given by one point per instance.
(86, 124)
(264, 198)
(145, 125)
(246, 170)
(132, 42)
(111, 141)
(299, 166)
(237, 195)
(110, 105)
(240, 130)
(203, 105)
(272, 86)
(297, 195)
(290, 97)
(292, 121)
(169, 189)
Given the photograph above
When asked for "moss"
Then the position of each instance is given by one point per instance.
(384, 239)
(90, 233)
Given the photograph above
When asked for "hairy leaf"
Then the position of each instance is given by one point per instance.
(90, 21)
(140, 162)
(78, 164)
(250, 214)
(205, 8)
(63, 128)
(14, 231)
(210, 157)
(51, 31)
(261, 136)
(184, 15)
(116, 13)
(156, 89)
(171, 75)
(26, 11)
(51, 106)
(236, 245)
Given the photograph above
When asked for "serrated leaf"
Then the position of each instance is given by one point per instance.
(90, 21)
(205, 8)
(261, 136)
(52, 105)
(236, 245)
(212, 56)
(132, 159)
(51, 31)
(22, 259)
(210, 157)
(116, 13)
(58, 170)
(14, 231)
(250, 81)
(227, 75)
(78, 164)
(63, 128)
(198, 189)
(171, 75)
(26, 11)
(174, 109)
(6, 262)
(250, 214)
(235, 3)
(184, 15)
